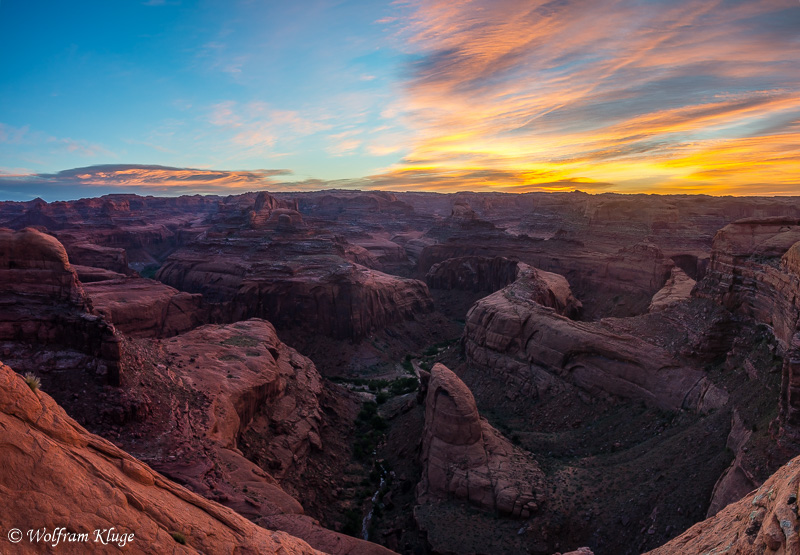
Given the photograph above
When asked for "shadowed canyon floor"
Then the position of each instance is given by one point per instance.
(365, 372)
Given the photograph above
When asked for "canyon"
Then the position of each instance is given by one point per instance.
(369, 372)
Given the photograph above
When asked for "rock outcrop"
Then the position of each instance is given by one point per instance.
(57, 475)
(521, 335)
(737, 481)
(141, 307)
(45, 309)
(765, 521)
(297, 284)
(678, 288)
(109, 258)
(464, 457)
(204, 396)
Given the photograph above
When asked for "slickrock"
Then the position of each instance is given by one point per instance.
(141, 307)
(678, 288)
(45, 309)
(763, 522)
(514, 334)
(464, 457)
(56, 474)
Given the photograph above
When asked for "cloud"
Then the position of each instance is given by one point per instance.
(130, 178)
(645, 94)
(258, 127)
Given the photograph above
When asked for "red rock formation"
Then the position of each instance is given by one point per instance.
(141, 307)
(57, 475)
(210, 387)
(46, 309)
(754, 271)
(464, 457)
(737, 481)
(765, 521)
(302, 284)
(533, 348)
(678, 288)
(88, 254)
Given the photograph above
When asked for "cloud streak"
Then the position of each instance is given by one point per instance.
(656, 96)
(140, 179)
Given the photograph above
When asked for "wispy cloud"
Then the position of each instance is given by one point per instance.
(702, 93)
(257, 126)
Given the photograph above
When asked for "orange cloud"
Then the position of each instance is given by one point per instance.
(656, 97)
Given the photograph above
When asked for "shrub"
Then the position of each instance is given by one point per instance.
(178, 537)
(33, 381)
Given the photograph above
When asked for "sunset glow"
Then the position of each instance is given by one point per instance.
(173, 97)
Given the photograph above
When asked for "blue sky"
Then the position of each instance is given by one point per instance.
(512, 95)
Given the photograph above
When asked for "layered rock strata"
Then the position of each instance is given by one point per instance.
(522, 335)
(297, 284)
(755, 272)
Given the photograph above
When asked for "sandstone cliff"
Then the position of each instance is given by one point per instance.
(754, 272)
(141, 307)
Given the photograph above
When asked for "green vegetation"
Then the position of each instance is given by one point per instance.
(383, 388)
(33, 381)
(369, 430)
(178, 537)
(401, 386)
(241, 341)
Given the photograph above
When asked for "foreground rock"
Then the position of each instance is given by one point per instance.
(55, 474)
(465, 458)
(521, 335)
(765, 521)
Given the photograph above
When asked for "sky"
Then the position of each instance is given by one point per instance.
(172, 97)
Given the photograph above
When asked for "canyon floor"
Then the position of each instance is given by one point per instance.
(367, 372)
